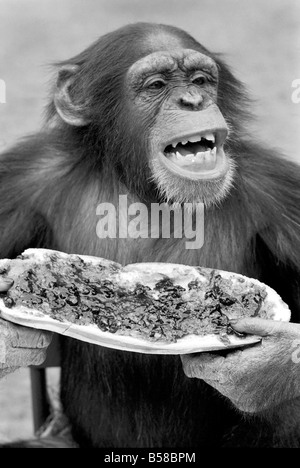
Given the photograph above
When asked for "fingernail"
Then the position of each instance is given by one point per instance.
(44, 340)
(234, 321)
(7, 280)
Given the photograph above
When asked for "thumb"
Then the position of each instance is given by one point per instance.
(5, 284)
(258, 326)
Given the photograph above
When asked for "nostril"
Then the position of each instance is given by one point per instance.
(191, 102)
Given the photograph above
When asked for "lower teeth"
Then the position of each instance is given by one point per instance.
(205, 158)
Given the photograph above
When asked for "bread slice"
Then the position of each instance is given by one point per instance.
(155, 308)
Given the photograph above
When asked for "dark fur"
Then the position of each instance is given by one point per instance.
(50, 186)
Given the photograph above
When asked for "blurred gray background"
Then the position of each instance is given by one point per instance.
(259, 38)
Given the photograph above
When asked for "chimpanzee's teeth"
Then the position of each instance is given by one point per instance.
(195, 139)
(210, 137)
(203, 159)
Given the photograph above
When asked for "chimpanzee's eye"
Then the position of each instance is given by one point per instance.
(156, 84)
(199, 80)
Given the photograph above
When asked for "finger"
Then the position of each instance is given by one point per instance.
(24, 337)
(30, 338)
(258, 326)
(17, 357)
(202, 366)
(5, 284)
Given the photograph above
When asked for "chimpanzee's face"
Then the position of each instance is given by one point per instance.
(175, 93)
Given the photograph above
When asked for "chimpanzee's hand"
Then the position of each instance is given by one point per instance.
(20, 346)
(257, 377)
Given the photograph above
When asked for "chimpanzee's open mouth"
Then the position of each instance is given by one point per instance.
(196, 150)
(197, 155)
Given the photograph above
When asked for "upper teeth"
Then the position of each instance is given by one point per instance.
(210, 137)
(195, 138)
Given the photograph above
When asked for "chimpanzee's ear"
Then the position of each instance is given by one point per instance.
(68, 110)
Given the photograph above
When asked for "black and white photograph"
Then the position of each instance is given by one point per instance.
(149, 226)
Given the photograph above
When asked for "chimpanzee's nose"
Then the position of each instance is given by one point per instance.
(191, 100)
